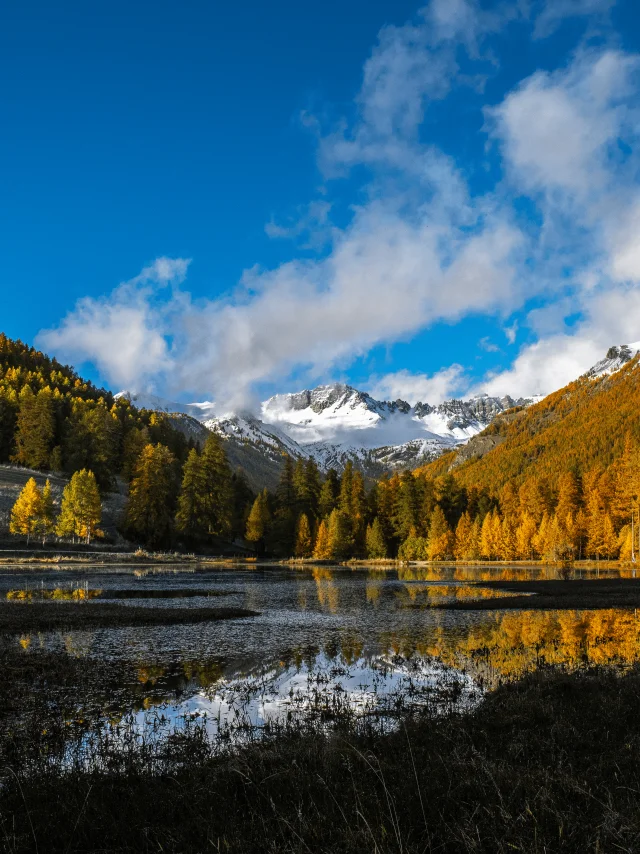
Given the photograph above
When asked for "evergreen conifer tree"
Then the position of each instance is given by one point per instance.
(376, 546)
(152, 495)
(47, 521)
(216, 501)
(407, 515)
(340, 539)
(285, 516)
(329, 492)
(35, 429)
(190, 518)
(345, 500)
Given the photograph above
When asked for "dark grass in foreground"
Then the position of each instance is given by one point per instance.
(50, 616)
(551, 764)
(593, 594)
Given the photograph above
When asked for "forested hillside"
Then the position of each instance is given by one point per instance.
(579, 427)
(52, 419)
(559, 480)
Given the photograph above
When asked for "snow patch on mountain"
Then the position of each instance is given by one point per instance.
(246, 427)
(616, 358)
(340, 415)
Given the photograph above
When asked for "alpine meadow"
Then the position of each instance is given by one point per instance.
(319, 427)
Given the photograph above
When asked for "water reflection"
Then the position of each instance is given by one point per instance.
(363, 641)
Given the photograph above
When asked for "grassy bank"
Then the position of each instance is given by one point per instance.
(549, 764)
(21, 617)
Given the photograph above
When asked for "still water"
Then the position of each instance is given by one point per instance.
(328, 640)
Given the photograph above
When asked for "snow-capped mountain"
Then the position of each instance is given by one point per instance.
(336, 423)
(615, 359)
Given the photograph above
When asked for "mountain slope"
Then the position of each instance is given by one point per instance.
(581, 426)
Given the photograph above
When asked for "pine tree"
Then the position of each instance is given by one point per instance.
(451, 497)
(152, 496)
(386, 510)
(359, 512)
(340, 539)
(80, 509)
(27, 511)
(407, 515)
(283, 531)
(135, 440)
(322, 549)
(345, 499)
(35, 428)
(329, 492)
(304, 544)
(375, 544)
(190, 518)
(440, 539)
(216, 501)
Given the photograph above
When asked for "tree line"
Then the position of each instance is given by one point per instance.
(413, 517)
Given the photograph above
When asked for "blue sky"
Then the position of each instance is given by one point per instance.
(226, 200)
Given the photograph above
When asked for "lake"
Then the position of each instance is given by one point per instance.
(328, 641)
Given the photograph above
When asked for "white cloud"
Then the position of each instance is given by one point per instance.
(610, 317)
(511, 332)
(122, 334)
(555, 11)
(556, 128)
(418, 388)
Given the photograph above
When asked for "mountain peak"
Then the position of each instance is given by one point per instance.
(616, 358)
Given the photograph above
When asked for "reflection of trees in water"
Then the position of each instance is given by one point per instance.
(430, 595)
(506, 645)
(495, 572)
(326, 589)
(373, 589)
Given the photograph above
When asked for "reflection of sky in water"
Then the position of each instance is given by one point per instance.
(315, 616)
(237, 709)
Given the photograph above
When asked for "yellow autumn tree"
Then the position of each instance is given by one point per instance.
(525, 534)
(322, 549)
(440, 540)
(27, 511)
(304, 542)
(464, 545)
